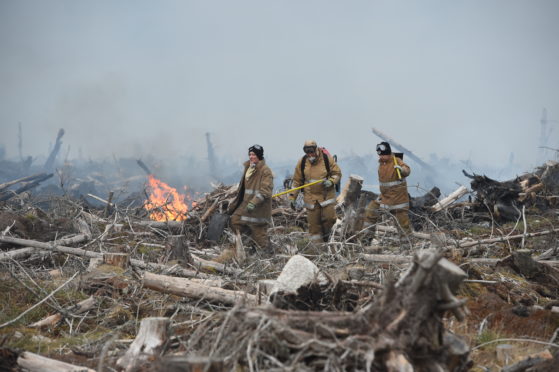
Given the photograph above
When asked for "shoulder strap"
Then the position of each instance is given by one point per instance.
(326, 163)
(303, 161)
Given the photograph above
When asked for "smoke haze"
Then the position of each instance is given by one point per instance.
(466, 80)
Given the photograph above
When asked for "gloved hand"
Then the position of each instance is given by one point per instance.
(398, 167)
(328, 184)
(250, 206)
(293, 204)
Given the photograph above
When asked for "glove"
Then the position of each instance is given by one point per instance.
(293, 204)
(250, 206)
(328, 184)
(398, 167)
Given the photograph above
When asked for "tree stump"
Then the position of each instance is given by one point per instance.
(177, 249)
(150, 341)
(121, 260)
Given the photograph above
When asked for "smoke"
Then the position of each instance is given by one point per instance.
(465, 81)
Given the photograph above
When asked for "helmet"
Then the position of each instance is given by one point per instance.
(383, 148)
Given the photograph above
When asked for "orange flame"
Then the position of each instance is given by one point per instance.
(164, 202)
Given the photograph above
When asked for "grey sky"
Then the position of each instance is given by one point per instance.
(464, 79)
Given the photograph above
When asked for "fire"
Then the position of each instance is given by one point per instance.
(164, 202)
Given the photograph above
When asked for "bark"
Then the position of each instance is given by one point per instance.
(191, 289)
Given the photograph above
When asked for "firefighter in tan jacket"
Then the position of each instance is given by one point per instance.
(394, 197)
(251, 210)
(320, 199)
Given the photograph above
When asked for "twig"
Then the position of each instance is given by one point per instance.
(515, 340)
(38, 303)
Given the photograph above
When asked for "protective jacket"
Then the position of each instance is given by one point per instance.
(256, 189)
(314, 172)
(394, 191)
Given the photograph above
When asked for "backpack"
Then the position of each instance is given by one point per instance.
(326, 164)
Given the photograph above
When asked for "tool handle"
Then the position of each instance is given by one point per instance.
(397, 170)
(297, 188)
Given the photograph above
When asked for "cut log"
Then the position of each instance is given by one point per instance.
(150, 341)
(37, 363)
(455, 195)
(191, 289)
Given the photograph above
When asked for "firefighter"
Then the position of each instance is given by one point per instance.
(251, 210)
(394, 197)
(319, 199)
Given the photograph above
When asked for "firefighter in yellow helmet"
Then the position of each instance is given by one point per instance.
(251, 211)
(320, 199)
(394, 197)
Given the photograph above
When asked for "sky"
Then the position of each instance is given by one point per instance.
(466, 80)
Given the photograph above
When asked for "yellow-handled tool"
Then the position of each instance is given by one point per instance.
(298, 188)
(397, 169)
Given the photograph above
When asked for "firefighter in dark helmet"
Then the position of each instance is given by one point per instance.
(394, 197)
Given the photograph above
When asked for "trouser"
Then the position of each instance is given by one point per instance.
(373, 215)
(321, 220)
(258, 232)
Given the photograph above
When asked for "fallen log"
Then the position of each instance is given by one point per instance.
(27, 186)
(36, 363)
(17, 254)
(187, 288)
(137, 263)
(455, 195)
(150, 341)
(5, 185)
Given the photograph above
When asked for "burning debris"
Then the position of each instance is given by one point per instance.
(165, 203)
